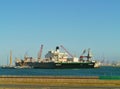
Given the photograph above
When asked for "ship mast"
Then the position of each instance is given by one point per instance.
(89, 55)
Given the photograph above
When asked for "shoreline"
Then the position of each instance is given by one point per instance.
(50, 77)
(58, 81)
(63, 77)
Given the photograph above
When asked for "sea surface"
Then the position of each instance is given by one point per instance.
(102, 71)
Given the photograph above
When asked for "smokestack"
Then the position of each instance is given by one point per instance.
(57, 48)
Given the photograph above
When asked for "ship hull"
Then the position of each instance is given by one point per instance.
(73, 65)
(52, 65)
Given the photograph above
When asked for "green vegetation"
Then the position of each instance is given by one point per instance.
(109, 77)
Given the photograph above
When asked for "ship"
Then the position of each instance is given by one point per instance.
(55, 59)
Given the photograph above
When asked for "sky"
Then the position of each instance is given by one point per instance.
(75, 24)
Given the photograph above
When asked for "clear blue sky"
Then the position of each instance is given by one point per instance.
(76, 24)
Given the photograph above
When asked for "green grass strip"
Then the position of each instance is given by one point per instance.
(109, 77)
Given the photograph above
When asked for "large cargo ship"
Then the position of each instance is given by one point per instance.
(59, 60)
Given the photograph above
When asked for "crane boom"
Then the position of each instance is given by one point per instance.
(66, 50)
(40, 53)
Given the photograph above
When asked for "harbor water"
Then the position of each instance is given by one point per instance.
(102, 71)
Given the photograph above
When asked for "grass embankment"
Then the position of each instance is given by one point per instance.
(58, 81)
(109, 77)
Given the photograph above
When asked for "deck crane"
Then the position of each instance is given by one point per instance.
(40, 53)
(66, 50)
(81, 56)
(89, 55)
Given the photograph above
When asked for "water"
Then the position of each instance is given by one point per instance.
(103, 71)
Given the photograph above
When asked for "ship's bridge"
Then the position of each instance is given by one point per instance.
(57, 56)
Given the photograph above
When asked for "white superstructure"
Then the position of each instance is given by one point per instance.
(57, 56)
